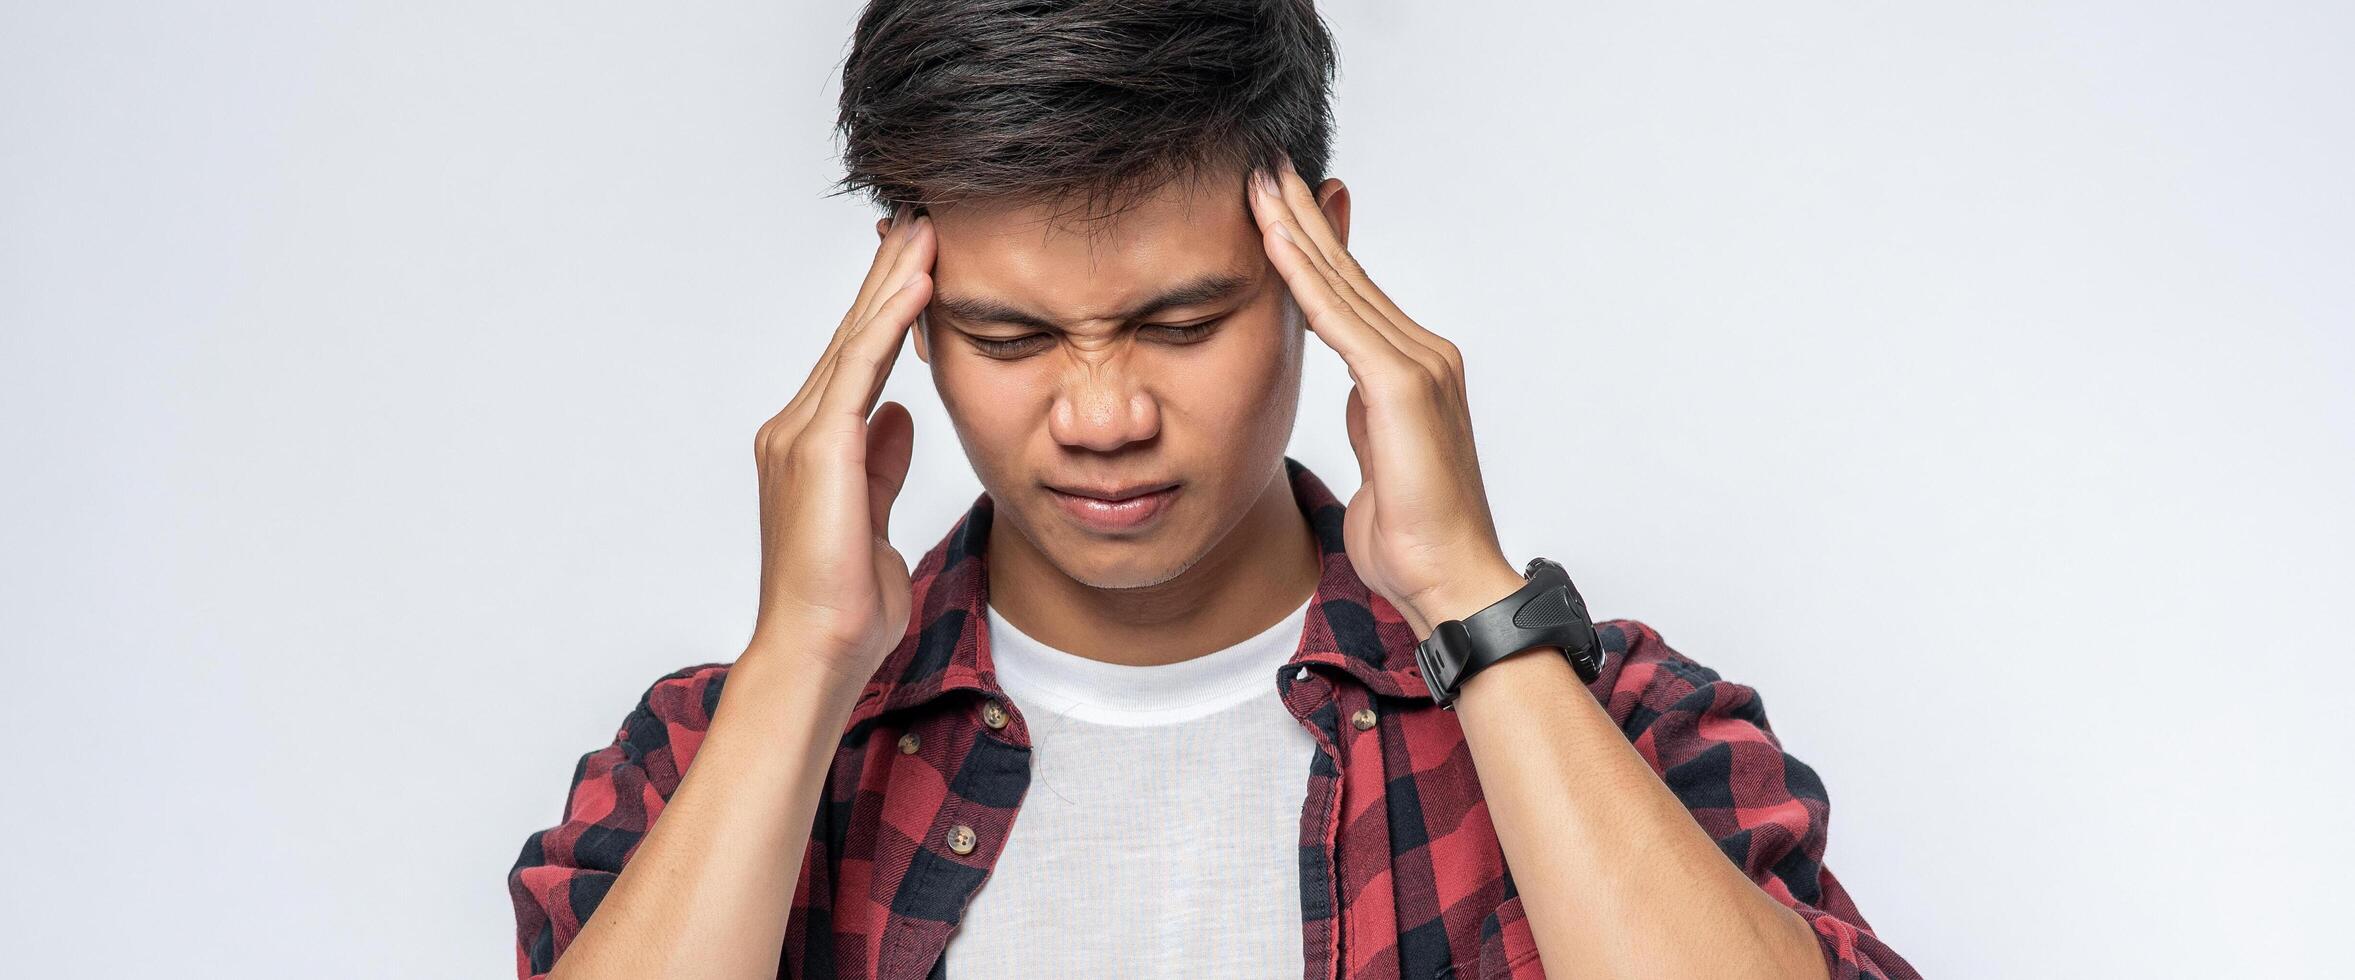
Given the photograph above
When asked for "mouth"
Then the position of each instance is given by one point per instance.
(1111, 494)
(1114, 509)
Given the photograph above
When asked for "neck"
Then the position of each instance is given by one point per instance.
(1253, 577)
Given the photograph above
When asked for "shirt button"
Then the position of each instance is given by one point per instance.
(1302, 675)
(1362, 719)
(908, 743)
(961, 839)
(993, 714)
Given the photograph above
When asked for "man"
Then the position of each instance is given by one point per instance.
(1158, 704)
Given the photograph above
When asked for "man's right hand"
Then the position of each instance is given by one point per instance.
(834, 593)
(708, 890)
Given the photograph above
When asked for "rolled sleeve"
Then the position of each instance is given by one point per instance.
(617, 792)
(1709, 740)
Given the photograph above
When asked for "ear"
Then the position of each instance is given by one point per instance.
(1333, 199)
(882, 227)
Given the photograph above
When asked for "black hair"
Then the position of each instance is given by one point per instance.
(1104, 101)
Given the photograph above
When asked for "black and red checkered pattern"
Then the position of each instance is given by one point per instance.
(1401, 873)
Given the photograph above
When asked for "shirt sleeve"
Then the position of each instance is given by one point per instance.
(1708, 739)
(617, 792)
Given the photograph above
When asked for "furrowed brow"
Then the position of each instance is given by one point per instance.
(1203, 289)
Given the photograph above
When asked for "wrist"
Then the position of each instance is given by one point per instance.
(1459, 596)
(828, 678)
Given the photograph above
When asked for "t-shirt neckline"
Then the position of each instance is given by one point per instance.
(1040, 678)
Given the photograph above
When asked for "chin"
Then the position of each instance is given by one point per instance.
(1117, 563)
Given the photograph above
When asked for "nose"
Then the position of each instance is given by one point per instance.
(1100, 407)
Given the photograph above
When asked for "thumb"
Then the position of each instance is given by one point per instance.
(1356, 417)
(891, 441)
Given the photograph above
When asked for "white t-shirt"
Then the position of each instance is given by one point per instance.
(1160, 836)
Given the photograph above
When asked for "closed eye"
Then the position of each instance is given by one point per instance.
(1191, 333)
(1012, 348)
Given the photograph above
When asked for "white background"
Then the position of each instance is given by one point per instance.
(378, 383)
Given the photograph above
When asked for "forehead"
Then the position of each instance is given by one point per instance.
(1083, 269)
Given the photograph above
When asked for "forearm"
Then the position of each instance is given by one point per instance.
(708, 891)
(1616, 877)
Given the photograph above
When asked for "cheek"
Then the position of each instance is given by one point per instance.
(1274, 359)
(990, 405)
(1249, 380)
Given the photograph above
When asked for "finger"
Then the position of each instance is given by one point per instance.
(1440, 360)
(823, 366)
(1318, 239)
(879, 272)
(1433, 352)
(1334, 262)
(1373, 294)
(871, 349)
(1363, 345)
(880, 346)
(1350, 269)
(1271, 204)
(882, 276)
(1369, 353)
(1448, 352)
(914, 263)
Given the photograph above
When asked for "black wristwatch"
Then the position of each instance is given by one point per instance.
(1545, 612)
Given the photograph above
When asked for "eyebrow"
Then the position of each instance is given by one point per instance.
(1202, 289)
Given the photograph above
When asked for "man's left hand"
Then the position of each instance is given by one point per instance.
(1418, 529)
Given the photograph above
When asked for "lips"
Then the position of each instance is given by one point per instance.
(1111, 494)
(1113, 510)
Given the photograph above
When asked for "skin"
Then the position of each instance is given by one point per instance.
(1086, 392)
(1092, 392)
(1616, 877)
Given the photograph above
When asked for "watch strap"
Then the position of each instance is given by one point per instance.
(1546, 611)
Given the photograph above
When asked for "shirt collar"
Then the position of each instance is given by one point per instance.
(1349, 628)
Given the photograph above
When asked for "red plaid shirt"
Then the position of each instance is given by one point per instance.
(1401, 874)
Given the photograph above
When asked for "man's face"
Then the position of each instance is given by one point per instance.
(1154, 349)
